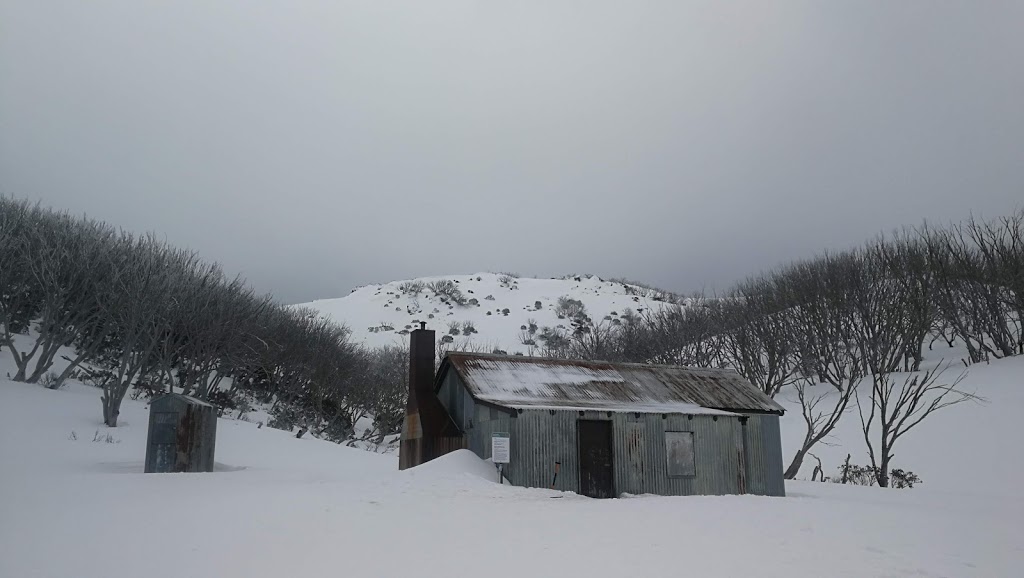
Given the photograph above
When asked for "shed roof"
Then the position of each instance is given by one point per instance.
(520, 382)
(188, 399)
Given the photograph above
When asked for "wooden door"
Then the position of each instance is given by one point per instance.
(597, 478)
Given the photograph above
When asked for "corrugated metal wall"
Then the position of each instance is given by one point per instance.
(641, 459)
(539, 438)
(763, 442)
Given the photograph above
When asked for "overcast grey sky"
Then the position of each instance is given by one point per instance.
(315, 146)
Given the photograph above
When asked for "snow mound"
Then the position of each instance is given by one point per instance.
(459, 463)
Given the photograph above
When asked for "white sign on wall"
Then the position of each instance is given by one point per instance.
(500, 448)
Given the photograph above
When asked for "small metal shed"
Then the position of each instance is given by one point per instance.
(182, 435)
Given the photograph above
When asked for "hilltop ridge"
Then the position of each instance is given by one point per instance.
(490, 311)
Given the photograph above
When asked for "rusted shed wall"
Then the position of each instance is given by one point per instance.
(182, 435)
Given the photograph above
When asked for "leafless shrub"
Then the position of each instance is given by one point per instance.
(105, 438)
(412, 287)
(448, 291)
(50, 381)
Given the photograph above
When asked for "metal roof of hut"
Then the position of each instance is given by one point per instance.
(519, 382)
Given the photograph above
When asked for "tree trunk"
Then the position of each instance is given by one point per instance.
(44, 362)
(794, 466)
(110, 410)
(883, 472)
(64, 375)
(19, 361)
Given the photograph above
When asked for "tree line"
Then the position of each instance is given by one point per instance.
(140, 315)
(857, 320)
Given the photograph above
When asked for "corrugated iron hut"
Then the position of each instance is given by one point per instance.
(182, 435)
(611, 428)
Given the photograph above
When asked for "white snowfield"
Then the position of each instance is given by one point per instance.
(71, 507)
(378, 314)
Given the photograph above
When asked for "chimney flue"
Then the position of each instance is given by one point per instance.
(421, 359)
(428, 431)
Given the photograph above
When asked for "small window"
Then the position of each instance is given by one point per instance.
(679, 446)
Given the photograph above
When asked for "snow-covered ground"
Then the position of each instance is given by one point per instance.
(280, 506)
(967, 448)
(379, 314)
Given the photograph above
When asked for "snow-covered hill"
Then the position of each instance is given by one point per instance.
(497, 309)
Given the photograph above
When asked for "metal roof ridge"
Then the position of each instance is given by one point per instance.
(584, 361)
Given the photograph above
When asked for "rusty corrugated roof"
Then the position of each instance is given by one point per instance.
(520, 382)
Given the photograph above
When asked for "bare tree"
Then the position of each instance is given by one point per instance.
(381, 390)
(969, 294)
(1000, 246)
(902, 271)
(69, 270)
(757, 335)
(824, 322)
(20, 297)
(138, 303)
(899, 406)
(673, 335)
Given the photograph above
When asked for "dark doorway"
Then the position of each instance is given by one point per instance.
(596, 474)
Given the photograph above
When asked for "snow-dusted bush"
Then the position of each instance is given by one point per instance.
(569, 307)
(448, 291)
(284, 417)
(225, 401)
(51, 381)
(412, 287)
(145, 390)
(869, 475)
